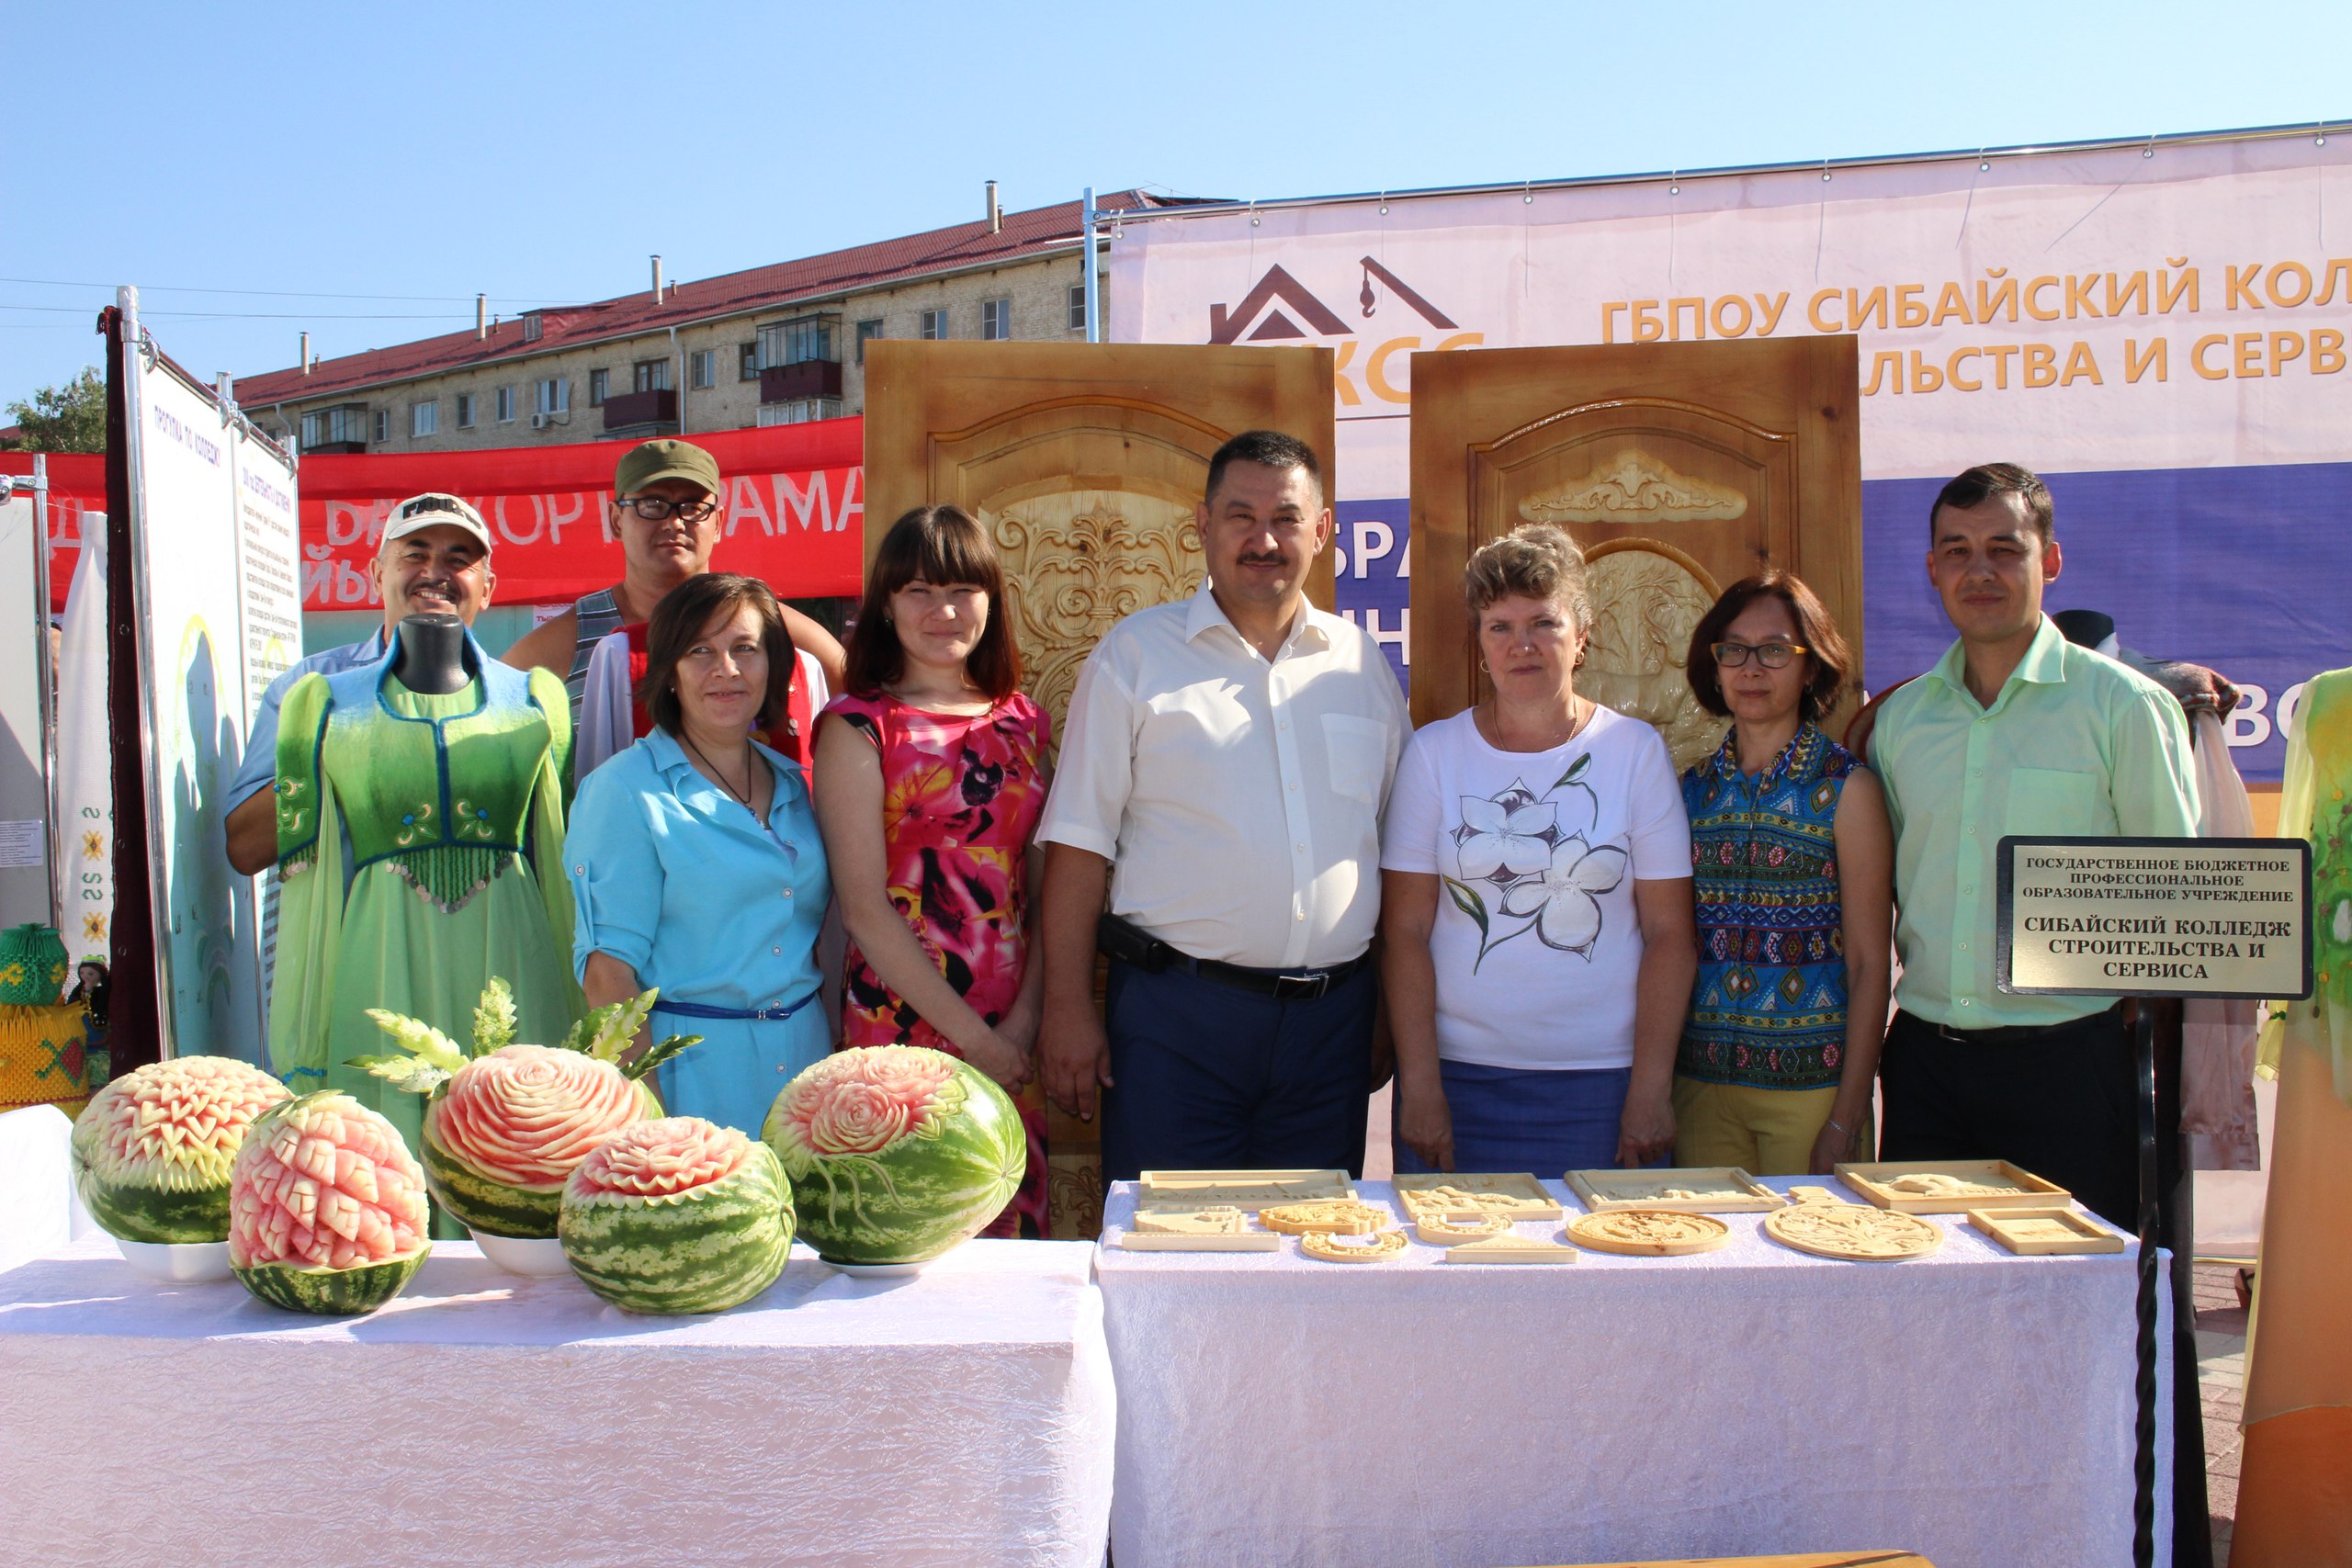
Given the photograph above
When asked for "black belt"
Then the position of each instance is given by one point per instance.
(2015, 1034)
(1130, 944)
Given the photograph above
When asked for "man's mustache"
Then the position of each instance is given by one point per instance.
(1275, 559)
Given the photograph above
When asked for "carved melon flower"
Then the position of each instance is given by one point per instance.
(1506, 837)
(862, 1101)
(1565, 899)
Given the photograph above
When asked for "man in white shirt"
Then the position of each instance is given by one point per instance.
(1223, 766)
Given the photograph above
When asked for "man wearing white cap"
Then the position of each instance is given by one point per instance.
(434, 559)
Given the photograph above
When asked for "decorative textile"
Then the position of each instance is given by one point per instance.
(2315, 805)
(1537, 942)
(1238, 800)
(611, 716)
(417, 837)
(40, 1056)
(677, 879)
(2074, 744)
(960, 1416)
(1750, 1399)
(961, 796)
(1768, 1009)
(2217, 1038)
(1515, 1119)
(259, 765)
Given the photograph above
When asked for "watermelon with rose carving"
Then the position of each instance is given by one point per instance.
(152, 1150)
(507, 1131)
(327, 1211)
(897, 1153)
(677, 1215)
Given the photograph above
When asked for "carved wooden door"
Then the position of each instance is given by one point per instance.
(1678, 468)
(1084, 462)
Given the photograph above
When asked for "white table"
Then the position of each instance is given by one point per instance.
(1970, 1406)
(38, 1210)
(960, 1416)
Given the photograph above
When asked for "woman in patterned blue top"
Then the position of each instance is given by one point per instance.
(1793, 871)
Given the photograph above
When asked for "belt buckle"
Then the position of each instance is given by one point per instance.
(1301, 988)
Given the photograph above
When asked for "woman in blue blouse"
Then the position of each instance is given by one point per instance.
(696, 866)
(1792, 861)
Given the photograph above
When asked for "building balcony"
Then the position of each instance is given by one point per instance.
(641, 414)
(809, 378)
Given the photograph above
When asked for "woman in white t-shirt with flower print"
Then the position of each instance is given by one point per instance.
(1538, 943)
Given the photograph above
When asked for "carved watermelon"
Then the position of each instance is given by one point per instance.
(507, 1131)
(896, 1153)
(327, 1211)
(152, 1150)
(677, 1215)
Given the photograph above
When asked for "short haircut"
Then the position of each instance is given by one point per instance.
(1986, 480)
(1269, 448)
(1534, 561)
(940, 545)
(677, 624)
(1825, 652)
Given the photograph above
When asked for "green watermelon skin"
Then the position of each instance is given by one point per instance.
(151, 1213)
(930, 1189)
(703, 1251)
(151, 1152)
(480, 1204)
(334, 1292)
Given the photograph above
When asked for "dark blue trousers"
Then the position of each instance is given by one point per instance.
(1211, 1076)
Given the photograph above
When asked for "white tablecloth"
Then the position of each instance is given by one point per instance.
(38, 1211)
(960, 1416)
(1970, 1406)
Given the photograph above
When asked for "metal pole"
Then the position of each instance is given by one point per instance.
(45, 670)
(2144, 1432)
(1094, 297)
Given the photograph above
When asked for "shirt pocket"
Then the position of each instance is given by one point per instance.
(2057, 801)
(1357, 750)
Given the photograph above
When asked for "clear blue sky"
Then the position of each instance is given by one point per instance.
(540, 151)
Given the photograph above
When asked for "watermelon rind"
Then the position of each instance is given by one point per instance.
(129, 1213)
(929, 1192)
(170, 1200)
(700, 1251)
(333, 1292)
(481, 1205)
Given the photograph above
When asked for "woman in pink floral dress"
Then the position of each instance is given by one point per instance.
(930, 779)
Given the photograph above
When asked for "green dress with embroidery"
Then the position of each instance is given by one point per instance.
(419, 838)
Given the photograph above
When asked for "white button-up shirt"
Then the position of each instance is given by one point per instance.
(1237, 799)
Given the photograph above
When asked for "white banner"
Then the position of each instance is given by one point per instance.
(23, 779)
(221, 585)
(84, 827)
(2160, 330)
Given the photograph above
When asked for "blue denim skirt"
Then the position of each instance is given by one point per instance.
(1508, 1119)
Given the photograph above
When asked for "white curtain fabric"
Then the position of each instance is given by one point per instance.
(960, 1416)
(1972, 1406)
(85, 824)
(38, 1212)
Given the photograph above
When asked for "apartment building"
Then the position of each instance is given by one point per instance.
(771, 345)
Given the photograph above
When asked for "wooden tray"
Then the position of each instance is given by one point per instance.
(1648, 1233)
(2043, 1233)
(1855, 1233)
(2025, 1190)
(1509, 1248)
(1517, 1195)
(1221, 1219)
(1720, 1189)
(1238, 1241)
(1249, 1190)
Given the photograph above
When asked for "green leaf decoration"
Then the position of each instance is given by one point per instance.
(495, 1017)
(576, 1038)
(420, 1039)
(1577, 771)
(656, 1055)
(621, 1023)
(1466, 899)
(413, 1074)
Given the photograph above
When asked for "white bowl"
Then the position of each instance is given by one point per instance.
(876, 1270)
(178, 1262)
(541, 1258)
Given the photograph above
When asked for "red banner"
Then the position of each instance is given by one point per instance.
(795, 512)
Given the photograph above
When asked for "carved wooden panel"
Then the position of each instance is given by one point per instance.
(1678, 468)
(1084, 463)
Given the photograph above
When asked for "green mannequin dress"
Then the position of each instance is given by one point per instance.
(419, 840)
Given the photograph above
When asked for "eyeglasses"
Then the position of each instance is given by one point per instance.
(661, 508)
(1771, 655)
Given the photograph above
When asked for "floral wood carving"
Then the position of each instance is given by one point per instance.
(1078, 560)
(1645, 606)
(1633, 486)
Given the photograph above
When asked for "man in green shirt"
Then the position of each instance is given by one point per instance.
(2015, 730)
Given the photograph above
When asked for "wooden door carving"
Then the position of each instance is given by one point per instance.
(1084, 462)
(1678, 468)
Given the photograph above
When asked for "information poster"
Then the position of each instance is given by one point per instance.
(213, 510)
(24, 785)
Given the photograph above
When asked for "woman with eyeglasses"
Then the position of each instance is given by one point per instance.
(1793, 867)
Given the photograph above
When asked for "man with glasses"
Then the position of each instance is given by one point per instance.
(668, 512)
(433, 559)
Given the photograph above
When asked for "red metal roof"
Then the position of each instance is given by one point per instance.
(571, 326)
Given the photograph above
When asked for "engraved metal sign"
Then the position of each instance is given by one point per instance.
(2083, 916)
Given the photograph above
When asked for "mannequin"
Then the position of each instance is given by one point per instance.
(432, 655)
